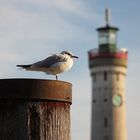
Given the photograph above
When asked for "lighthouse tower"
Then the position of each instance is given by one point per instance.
(108, 65)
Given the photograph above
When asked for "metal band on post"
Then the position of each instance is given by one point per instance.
(35, 89)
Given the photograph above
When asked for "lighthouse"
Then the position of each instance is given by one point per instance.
(108, 65)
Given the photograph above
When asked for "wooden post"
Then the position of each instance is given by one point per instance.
(33, 109)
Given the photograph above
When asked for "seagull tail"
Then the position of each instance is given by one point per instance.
(24, 66)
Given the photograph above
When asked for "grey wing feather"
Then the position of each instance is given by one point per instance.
(49, 61)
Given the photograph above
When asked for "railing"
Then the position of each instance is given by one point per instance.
(117, 53)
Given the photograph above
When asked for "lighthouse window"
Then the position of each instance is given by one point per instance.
(105, 100)
(118, 76)
(105, 122)
(94, 101)
(106, 138)
(105, 76)
(94, 77)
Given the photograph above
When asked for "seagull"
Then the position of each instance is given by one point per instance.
(53, 65)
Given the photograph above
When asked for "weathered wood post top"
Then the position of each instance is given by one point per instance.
(52, 90)
(35, 109)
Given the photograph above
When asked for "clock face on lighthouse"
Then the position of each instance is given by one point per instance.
(117, 100)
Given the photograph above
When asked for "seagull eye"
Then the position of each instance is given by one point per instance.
(68, 53)
(65, 52)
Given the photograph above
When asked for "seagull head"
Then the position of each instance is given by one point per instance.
(69, 54)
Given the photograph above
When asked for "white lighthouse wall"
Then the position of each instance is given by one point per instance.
(108, 121)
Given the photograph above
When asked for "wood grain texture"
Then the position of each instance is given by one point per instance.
(34, 120)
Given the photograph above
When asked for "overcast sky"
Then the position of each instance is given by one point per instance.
(31, 30)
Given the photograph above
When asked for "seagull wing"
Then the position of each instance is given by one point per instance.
(48, 62)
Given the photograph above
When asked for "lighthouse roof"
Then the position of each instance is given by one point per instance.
(107, 27)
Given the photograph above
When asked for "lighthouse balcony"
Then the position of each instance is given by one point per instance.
(117, 57)
(117, 53)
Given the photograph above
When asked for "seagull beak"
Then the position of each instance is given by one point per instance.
(75, 56)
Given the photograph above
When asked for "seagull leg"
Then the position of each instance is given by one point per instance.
(56, 77)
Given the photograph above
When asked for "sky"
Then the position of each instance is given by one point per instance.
(31, 30)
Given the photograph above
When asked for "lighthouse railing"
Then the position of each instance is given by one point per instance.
(119, 52)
